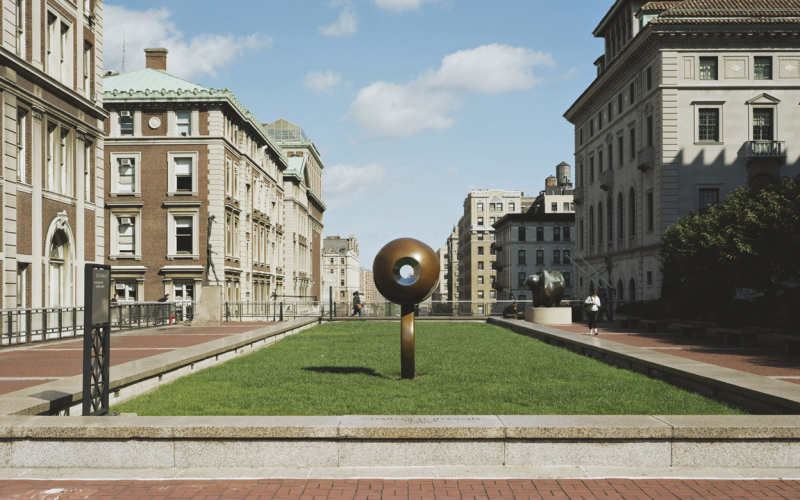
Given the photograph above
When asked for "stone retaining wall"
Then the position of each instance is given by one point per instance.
(359, 441)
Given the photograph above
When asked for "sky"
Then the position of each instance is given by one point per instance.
(411, 103)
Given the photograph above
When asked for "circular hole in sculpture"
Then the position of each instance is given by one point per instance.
(406, 271)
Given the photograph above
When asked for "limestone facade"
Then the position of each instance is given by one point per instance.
(341, 269)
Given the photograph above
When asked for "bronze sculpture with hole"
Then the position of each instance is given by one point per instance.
(406, 290)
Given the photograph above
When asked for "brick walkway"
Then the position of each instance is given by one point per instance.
(30, 365)
(766, 359)
(419, 489)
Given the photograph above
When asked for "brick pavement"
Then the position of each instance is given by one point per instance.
(766, 359)
(26, 365)
(415, 489)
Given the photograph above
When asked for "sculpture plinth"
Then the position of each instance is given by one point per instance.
(406, 272)
(547, 289)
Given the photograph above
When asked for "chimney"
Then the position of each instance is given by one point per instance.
(156, 58)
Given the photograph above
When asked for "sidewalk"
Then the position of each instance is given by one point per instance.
(417, 489)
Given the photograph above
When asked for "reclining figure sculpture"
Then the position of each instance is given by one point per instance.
(547, 288)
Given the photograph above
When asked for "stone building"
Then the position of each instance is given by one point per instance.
(693, 98)
(178, 153)
(541, 239)
(303, 209)
(52, 148)
(475, 236)
(443, 285)
(452, 265)
(340, 268)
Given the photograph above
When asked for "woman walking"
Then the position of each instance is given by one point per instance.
(592, 306)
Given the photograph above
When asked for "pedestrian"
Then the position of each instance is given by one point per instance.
(165, 298)
(511, 311)
(356, 304)
(592, 305)
(114, 299)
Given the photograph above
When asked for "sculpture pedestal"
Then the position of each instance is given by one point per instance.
(549, 315)
(209, 309)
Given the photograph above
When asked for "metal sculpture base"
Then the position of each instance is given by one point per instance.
(209, 309)
(407, 362)
(549, 315)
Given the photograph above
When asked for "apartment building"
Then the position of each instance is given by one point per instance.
(452, 265)
(367, 287)
(475, 235)
(303, 209)
(52, 136)
(177, 154)
(443, 285)
(540, 239)
(340, 268)
(693, 98)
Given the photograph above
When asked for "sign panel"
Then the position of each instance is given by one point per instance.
(101, 291)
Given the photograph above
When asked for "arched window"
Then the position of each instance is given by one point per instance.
(59, 252)
(632, 289)
(610, 211)
(591, 227)
(620, 290)
(632, 209)
(600, 223)
(620, 216)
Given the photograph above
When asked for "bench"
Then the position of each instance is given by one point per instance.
(657, 325)
(692, 329)
(628, 321)
(744, 337)
(791, 343)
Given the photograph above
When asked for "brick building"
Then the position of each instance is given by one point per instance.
(52, 148)
(179, 153)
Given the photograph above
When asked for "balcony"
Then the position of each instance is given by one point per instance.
(606, 179)
(578, 195)
(646, 158)
(774, 152)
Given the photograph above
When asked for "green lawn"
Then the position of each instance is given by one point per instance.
(462, 369)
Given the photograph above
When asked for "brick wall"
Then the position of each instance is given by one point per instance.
(24, 223)
(161, 130)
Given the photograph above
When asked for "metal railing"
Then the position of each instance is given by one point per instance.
(765, 149)
(42, 324)
(270, 311)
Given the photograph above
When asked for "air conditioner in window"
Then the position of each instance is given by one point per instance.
(184, 134)
(125, 162)
(126, 221)
(124, 113)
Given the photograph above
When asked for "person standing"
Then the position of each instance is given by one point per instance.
(592, 306)
(356, 304)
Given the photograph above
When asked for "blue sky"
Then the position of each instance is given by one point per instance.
(412, 103)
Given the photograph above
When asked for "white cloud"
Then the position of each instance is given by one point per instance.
(345, 184)
(346, 24)
(203, 54)
(400, 5)
(322, 82)
(397, 110)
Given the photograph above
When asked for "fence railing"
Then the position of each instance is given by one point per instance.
(41, 324)
(270, 311)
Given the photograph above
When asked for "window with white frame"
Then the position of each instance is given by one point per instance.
(708, 125)
(126, 235)
(65, 161)
(228, 177)
(50, 173)
(51, 44)
(762, 67)
(183, 234)
(87, 69)
(20, 27)
(184, 122)
(182, 173)
(708, 68)
(511, 207)
(125, 290)
(125, 119)
(58, 174)
(65, 46)
(22, 121)
(87, 172)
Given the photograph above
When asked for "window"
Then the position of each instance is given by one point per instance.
(87, 172)
(499, 207)
(184, 120)
(126, 177)
(126, 291)
(341, 282)
(600, 161)
(591, 169)
(87, 70)
(650, 215)
(521, 257)
(599, 120)
(591, 128)
(632, 213)
(512, 207)
(600, 223)
(184, 237)
(621, 155)
(708, 197)
(567, 256)
(20, 28)
(480, 280)
(619, 103)
(609, 111)
(125, 123)
(480, 250)
(581, 235)
(183, 174)
(649, 277)
(762, 68)
(480, 221)
(480, 207)
(632, 133)
(521, 233)
(22, 119)
(567, 278)
(539, 234)
(341, 272)
(567, 236)
(491, 207)
(492, 294)
(65, 45)
(632, 92)
(649, 77)
(580, 135)
(557, 257)
(539, 257)
(480, 266)
(556, 234)
(228, 234)
(610, 155)
(480, 309)
(492, 220)
(521, 279)
(566, 206)
(126, 233)
(50, 43)
(708, 68)
(554, 207)
(341, 294)
(650, 130)
(708, 130)
(762, 124)
(342, 261)
(480, 235)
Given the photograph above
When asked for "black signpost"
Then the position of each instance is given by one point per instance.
(96, 339)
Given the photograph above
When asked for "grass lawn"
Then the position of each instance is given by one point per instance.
(462, 369)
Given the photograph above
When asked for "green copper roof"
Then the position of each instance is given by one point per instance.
(146, 80)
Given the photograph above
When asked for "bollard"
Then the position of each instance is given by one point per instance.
(281, 313)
